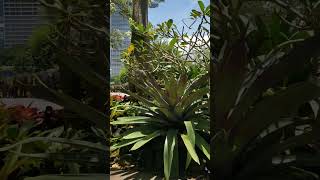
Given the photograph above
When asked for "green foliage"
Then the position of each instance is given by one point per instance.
(78, 57)
(122, 78)
(170, 51)
(174, 111)
(22, 60)
(34, 56)
(192, 41)
(14, 163)
(163, 56)
(256, 113)
(39, 38)
(117, 38)
(22, 146)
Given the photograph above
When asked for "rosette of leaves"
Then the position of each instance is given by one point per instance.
(176, 111)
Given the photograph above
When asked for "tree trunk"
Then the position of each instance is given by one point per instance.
(140, 12)
(139, 15)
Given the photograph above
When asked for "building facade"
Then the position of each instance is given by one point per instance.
(18, 19)
(120, 23)
(1, 24)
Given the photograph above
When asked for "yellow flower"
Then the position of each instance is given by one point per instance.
(130, 49)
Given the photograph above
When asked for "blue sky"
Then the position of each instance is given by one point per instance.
(173, 9)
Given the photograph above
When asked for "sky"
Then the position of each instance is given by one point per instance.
(177, 10)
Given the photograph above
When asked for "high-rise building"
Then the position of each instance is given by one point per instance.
(19, 18)
(118, 22)
(1, 25)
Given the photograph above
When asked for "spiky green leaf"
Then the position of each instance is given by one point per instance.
(190, 148)
(191, 135)
(170, 154)
(145, 140)
(203, 145)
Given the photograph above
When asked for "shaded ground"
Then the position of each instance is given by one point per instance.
(70, 177)
(132, 175)
(135, 175)
(114, 175)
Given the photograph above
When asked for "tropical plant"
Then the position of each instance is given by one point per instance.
(161, 58)
(78, 57)
(78, 39)
(170, 51)
(123, 76)
(176, 112)
(119, 108)
(193, 39)
(18, 159)
(256, 95)
(27, 142)
(15, 165)
(78, 33)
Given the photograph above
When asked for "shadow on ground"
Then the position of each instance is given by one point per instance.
(71, 177)
(135, 175)
(132, 175)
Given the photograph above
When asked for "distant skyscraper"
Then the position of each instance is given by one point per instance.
(1, 25)
(121, 23)
(19, 17)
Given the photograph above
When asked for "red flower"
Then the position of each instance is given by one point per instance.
(20, 113)
(118, 96)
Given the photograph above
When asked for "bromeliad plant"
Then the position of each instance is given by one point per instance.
(177, 111)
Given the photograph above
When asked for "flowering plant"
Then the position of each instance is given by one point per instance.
(21, 113)
(118, 96)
